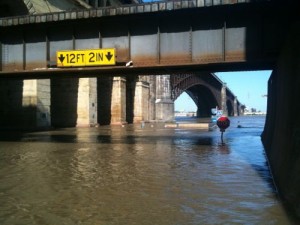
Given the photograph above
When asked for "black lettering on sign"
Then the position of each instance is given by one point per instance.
(92, 57)
(71, 58)
(99, 56)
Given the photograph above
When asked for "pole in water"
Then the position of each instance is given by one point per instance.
(222, 137)
(223, 123)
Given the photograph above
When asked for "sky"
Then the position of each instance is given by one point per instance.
(249, 87)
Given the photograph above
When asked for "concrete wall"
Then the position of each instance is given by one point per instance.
(281, 136)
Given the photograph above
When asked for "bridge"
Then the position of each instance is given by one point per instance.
(180, 35)
(182, 41)
(31, 54)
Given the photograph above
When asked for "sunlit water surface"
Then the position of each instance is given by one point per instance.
(138, 175)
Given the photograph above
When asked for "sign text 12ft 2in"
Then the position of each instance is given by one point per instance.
(91, 57)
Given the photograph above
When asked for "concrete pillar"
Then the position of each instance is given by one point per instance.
(118, 101)
(164, 104)
(64, 100)
(87, 102)
(152, 97)
(141, 102)
(36, 104)
(223, 99)
(235, 107)
(11, 94)
(104, 95)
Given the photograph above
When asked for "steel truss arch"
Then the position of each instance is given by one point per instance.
(182, 82)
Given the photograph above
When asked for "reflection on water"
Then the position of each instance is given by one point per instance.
(135, 175)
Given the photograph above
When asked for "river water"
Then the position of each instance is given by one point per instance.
(138, 175)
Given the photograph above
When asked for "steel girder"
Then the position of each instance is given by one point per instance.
(157, 42)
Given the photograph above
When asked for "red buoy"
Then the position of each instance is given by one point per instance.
(223, 123)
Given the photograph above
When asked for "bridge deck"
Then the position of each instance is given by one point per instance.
(159, 38)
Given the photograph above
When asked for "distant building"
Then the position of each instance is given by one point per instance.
(253, 111)
(185, 114)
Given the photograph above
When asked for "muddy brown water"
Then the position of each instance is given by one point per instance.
(138, 175)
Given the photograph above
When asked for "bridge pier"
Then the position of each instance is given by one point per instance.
(36, 104)
(87, 102)
(104, 95)
(118, 101)
(281, 136)
(25, 104)
(152, 96)
(141, 102)
(223, 100)
(64, 100)
(201, 111)
(235, 107)
(74, 102)
(164, 105)
(11, 102)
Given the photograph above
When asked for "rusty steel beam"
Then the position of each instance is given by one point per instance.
(190, 80)
(126, 71)
(183, 82)
(159, 41)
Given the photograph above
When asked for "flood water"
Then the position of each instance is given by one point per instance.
(138, 175)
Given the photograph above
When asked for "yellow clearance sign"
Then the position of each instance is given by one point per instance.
(91, 57)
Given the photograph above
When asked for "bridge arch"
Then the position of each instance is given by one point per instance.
(202, 89)
(204, 99)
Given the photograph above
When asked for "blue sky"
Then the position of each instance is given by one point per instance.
(249, 87)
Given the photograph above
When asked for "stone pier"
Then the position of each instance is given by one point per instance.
(164, 105)
(235, 107)
(74, 102)
(36, 104)
(118, 101)
(141, 102)
(223, 100)
(25, 104)
(87, 102)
